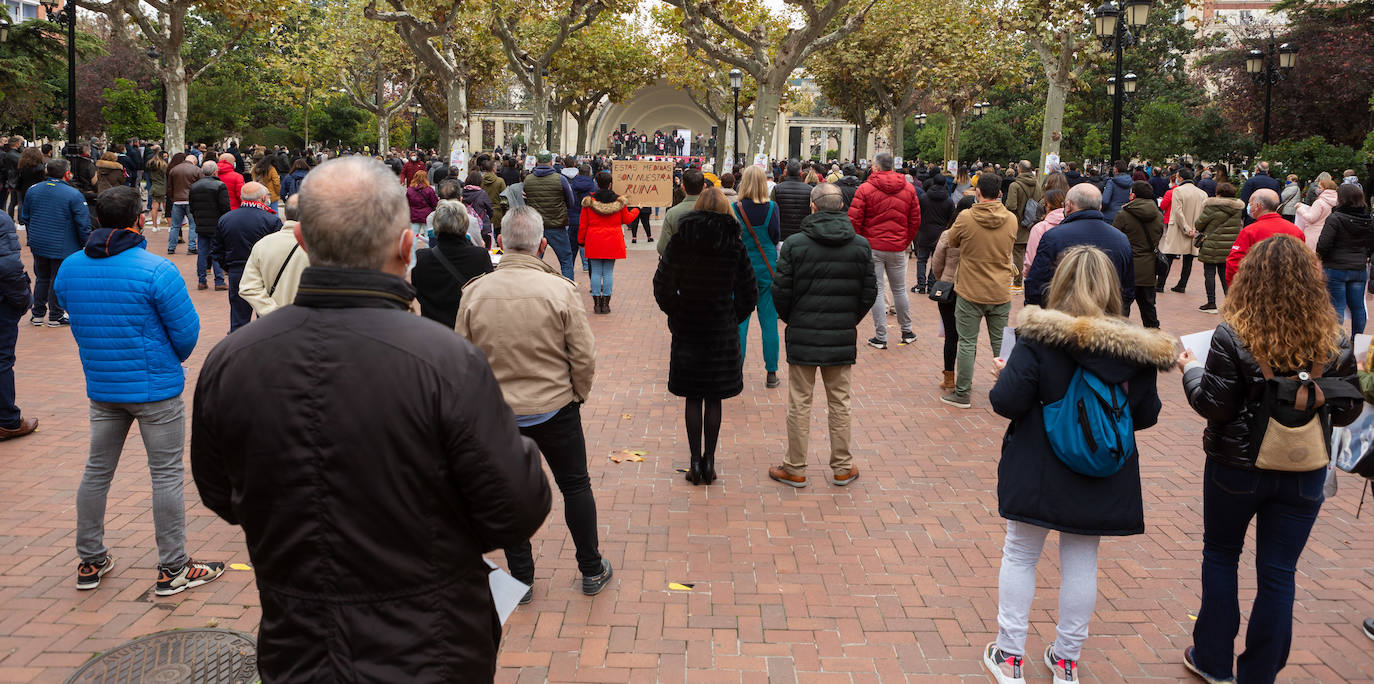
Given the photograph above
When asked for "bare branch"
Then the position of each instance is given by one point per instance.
(849, 26)
(218, 55)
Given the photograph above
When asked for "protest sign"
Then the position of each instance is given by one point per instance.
(647, 183)
(530, 161)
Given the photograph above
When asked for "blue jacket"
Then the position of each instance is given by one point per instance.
(14, 280)
(291, 184)
(1080, 228)
(131, 316)
(238, 231)
(1258, 181)
(1116, 193)
(581, 187)
(57, 219)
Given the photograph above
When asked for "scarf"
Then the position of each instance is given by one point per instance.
(259, 205)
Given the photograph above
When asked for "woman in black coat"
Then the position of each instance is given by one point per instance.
(1346, 241)
(1278, 310)
(705, 284)
(1036, 492)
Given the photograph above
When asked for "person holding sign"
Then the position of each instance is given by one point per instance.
(1278, 355)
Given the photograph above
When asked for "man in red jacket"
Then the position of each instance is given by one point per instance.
(1264, 206)
(887, 212)
(231, 179)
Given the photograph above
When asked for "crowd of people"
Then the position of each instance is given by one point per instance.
(487, 383)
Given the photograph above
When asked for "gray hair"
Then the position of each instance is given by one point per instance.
(883, 161)
(1084, 196)
(210, 168)
(1265, 199)
(827, 197)
(450, 218)
(291, 208)
(254, 192)
(521, 230)
(351, 221)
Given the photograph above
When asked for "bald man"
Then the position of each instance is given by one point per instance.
(237, 232)
(1263, 206)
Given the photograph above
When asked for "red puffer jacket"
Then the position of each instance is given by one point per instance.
(886, 211)
(600, 226)
(233, 180)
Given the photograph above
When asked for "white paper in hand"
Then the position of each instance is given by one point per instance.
(1008, 341)
(1362, 347)
(506, 591)
(1199, 343)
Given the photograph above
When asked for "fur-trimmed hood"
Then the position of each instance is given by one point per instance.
(602, 207)
(1103, 338)
(105, 164)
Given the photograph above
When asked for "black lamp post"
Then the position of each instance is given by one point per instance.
(4, 30)
(736, 82)
(1115, 35)
(1268, 67)
(981, 108)
(67, 18)
(920, 120)
(415, 126)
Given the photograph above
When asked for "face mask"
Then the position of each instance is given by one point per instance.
(414, 159)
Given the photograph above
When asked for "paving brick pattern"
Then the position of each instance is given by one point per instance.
(891, 579)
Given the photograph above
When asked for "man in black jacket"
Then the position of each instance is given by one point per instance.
(849, 184)
(235, 236)
(937, 211)
(381, 462)
(824, 284)
(793, 198)
(207, 200)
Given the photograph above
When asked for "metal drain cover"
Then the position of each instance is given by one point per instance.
(182, 656)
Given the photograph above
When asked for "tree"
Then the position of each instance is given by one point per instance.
(128, 112)
(767, 55)
(164, 25)
(531, 35)
(855, 98)
(607, 60)
(33, 73)
(1308, 157)
(377, 78)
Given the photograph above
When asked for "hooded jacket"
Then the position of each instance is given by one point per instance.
(56, 219)
(582, 186)
(1142, 223)
(985, 234)
(291, 183)
(394, 430)
(1347, 239)
(1022, 190)
(1115, 195)
(476, 198)
(131, 316)
(1052, 219)
(601, 224)
(886, 212)
(108, 174)
(705, 284)
(1050, 347)
(1259, 230)
(493, 185)
(1085, 227)
(937, 211)
(549, 193)
(848, 186)
(233, 180)
(1311, 218)
(1219, 224)
(823, 286)
(794, 203)
(1228, 390)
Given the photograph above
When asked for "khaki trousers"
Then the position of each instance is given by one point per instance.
(801, 384)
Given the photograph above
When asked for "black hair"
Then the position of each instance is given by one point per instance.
(989, 185)
(118, 207)
(1142, 190)
(603, 180)
(693, 181)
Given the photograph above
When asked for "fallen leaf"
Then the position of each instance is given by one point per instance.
(674, 586)
(634, 456)
(625, 416)
(240, 566)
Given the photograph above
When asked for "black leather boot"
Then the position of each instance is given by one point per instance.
(605, 303)
(694, 471)
(708, 469)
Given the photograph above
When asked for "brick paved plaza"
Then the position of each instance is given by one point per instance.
(892, 579)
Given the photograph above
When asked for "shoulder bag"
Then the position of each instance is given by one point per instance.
(739, 214)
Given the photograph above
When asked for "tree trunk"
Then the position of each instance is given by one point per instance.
(951, 134)
(556, 146)
(384, 130)
(582, 129)
(765, 119)
(174, 129)
(539, 115)
(1054, 120)
(720, 147)
(457, 128)
(861, 139)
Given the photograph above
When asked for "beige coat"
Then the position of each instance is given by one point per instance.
(1187, 206)
(529, 321)
(264, 262)
(985, 234)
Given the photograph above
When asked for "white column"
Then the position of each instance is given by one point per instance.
(500, 132)
(806, 143)
(847, 142)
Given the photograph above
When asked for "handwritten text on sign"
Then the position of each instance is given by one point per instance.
(647, 183)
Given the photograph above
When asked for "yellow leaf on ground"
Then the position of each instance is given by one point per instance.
(634, 456)
(674, 586)
(240, 566)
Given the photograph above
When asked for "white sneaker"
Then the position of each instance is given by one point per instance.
(1005, 668)
(1065, 671)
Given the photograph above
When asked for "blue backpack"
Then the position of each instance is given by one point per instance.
(1090, 429)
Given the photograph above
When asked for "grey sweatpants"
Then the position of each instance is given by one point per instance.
(163, 426)
(893, 265)
(1016, 588)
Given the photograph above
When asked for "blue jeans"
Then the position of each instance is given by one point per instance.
(581, 251)
(180, 211)
(603, 276)
(9, 335)
(1347, 291)
(768, 330)
(205, 262)
(562, 248)
(1285, 506)
(240, 311)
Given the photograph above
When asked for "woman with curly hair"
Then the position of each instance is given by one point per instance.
(1277, 321)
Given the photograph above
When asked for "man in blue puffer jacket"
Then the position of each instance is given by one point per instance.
(134, 325)
(58, 224)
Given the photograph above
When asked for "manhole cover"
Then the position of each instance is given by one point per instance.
(183, 656)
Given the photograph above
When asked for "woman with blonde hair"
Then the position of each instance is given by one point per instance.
(1079, 339)
(705, 283)
(761, 231)
(1277, 322)
(156, 167)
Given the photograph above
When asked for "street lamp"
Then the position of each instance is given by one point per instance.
(415, 110)
(736, 82)
(4, 30)
(1268, 67)
(981, 108)
(67, 18)
(920, 120)
(1115, 35)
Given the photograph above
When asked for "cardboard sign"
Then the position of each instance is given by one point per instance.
(952, 165)
(646, 183)
(530, 161)
(458, 159)
(896, 162)
(1051, 162)
(761, 160)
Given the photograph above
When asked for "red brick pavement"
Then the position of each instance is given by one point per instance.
(891, 579)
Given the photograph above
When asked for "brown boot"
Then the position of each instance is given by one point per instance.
(26, 426)
(948, 382)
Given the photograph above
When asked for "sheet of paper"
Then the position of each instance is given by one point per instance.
(1362, 346)
(506, 591)
(1199, 343)
(1008, 341)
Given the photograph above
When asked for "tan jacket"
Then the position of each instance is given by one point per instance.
(1187, 206)
(985, 234)
(944, 261)
(529, 321)
(264, 262)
